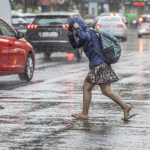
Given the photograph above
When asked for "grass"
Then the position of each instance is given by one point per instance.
(1, 107)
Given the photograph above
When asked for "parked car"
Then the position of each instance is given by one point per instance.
(20, 21)
(16, 54)
(19, 24)
(115, 14)
(47, 33)
(134, 23)
(28, 17)
(143, 25)
(112, 25)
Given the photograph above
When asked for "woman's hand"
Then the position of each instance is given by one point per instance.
(75, 25)
(68, 32)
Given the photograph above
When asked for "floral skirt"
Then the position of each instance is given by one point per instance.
(102, 73)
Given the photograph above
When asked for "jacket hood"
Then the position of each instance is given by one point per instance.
(79, 22)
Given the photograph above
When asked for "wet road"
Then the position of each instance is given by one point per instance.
(37, 114)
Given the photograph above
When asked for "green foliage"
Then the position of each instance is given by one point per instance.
(1, 107)
(130, 17)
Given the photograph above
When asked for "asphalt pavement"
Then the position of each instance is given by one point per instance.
(37, 115)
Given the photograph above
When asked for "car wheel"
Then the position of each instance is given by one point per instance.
(79, 53)
(29, 69)
(139, 36)
(47, 55)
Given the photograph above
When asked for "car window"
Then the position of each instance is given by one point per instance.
(1, 32)
(80, 17)
(114, 14)
(6, 30)
(42, 20)
(76, 16)
(109, 19)
(145, 19)
(19, 20)
(29, 19)
(104, 14)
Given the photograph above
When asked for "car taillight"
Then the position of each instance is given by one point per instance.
(141, 19)
(139, 24)
(120, 26)
(32, 26)
(65, 25)
(97, 26)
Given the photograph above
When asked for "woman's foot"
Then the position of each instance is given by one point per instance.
(126, 112)
(81, 116)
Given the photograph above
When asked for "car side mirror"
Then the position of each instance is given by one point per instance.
(19, 35)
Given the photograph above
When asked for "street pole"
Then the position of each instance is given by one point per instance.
(25, 8)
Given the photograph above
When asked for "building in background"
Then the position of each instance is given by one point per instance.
(137, 6)
(95, 7)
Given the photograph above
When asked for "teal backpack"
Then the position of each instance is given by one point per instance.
(110, 45)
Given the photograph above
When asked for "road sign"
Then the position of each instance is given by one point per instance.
(137, 0)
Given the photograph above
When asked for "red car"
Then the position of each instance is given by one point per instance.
(16, 54)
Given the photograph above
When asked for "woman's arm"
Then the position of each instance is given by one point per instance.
(86, 36)
(74, 42)
(72, 39)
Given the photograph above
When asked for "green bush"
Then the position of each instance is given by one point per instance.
(130, 17)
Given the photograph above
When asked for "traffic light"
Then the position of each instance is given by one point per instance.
(12, 0)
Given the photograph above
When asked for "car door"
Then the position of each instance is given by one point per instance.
(4, 47)
(13, 49)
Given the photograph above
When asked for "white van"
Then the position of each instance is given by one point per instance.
(5, 11)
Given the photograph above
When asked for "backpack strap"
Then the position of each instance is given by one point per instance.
(89, 44)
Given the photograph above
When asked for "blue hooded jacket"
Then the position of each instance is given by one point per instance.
(86, 34)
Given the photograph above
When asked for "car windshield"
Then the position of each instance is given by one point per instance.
(29, 19)
(19, 20)
(104, 14)
(148, 19)
(145, 19)
(114, 14)
(111, 19)
(41, 20)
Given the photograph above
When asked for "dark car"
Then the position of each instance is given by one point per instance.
(16, 54)
(47, 34)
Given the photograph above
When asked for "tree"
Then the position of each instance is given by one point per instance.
(80, 6)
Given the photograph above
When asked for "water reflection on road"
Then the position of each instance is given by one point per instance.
(38, 115)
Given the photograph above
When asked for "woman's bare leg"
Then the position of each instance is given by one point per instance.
(106, 90)
(87, 87)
